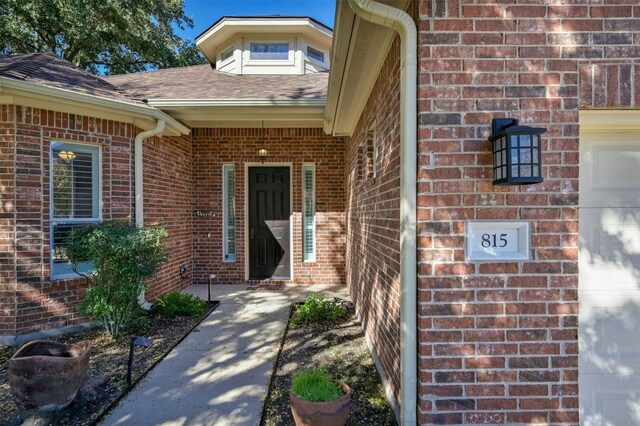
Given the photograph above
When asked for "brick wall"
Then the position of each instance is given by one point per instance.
(168, 196)
(372, 216)
(29, 300)
(498, 341)
(214, 147)
(7, 221)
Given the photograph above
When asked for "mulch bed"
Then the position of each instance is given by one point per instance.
(106, 379)
(341, 348)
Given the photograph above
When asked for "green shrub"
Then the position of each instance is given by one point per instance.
(123, 256)
(317, 309)
(176, 303)
(315, 384)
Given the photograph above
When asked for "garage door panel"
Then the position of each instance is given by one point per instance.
(610, 401)
(609, 284)
(610, 170)
(610, 249)
(606, 318)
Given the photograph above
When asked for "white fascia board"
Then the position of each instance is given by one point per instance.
(236, 25)
(171, 103)
(609, 120)
(120, 106)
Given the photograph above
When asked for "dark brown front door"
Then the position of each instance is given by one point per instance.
(269, 251)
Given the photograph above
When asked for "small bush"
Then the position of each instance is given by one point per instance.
(315, 384)
(317, 309)
(176, 303)
(123, 256)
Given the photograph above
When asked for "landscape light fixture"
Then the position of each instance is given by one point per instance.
(262, 153)
(517, 154)
(67, 155)
(135, 341)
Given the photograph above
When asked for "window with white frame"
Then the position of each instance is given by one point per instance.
(229, 212)
(309, 212)
(75, 198)
(315, 54)
(226, 54)
(269, 51)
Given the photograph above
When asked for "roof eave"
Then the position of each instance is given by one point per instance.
(362, 48)
(174, 126)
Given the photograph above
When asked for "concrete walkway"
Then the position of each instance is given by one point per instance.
(219, 374)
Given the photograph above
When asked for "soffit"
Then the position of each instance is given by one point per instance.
(359, 50)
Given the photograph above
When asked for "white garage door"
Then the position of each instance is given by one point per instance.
(609, 288)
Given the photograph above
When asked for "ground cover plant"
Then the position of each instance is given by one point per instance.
(340, 348)
(176, 303)
(317, 309)
(106, 378)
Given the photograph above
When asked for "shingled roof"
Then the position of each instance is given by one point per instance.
(51, 71)
(203, 82)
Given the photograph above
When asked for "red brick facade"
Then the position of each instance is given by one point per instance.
(168, 198)
(498, 341)
(372, 211)
(29, 300)
(214, 147)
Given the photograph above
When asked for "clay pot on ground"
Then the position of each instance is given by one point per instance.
(330, 413)
(48, 375)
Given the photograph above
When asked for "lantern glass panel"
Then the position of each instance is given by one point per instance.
(535, 156)
(514, 171)
(496, 159)
(514, 155)
(525, 171)
(504, 157)
(503, 142)
(535, 171)
(525, 155)
(514, 141)
(536, 140)
(525, 140)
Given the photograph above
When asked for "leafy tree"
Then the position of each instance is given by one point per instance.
(123, 256)
(102, 36)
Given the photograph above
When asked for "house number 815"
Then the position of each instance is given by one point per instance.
(492, 240)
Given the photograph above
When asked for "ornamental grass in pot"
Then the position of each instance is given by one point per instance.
(318, 400)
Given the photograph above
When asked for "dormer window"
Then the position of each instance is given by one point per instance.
(269, 51)
(226, 54)
(315, 54)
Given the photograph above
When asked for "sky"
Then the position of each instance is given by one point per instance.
(206, 12)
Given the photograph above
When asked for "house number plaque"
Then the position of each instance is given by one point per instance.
(497, 241)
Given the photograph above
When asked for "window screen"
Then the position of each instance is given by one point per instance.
(75, 198)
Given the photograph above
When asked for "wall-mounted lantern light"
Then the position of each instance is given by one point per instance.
(262, 153)
(517, 155)
(67, 155)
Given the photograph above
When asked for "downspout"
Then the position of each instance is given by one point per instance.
(403, 24)
(140, 137)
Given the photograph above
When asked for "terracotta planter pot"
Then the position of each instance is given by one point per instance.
(48, 375)
(330, 413)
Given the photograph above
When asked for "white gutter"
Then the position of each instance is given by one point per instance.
(160, 102)
(139, 183)
(401, 22)
(120, 105)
